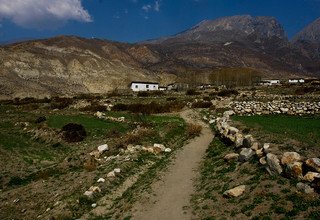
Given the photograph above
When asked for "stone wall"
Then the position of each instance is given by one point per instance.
(287, 164)
(275, 107)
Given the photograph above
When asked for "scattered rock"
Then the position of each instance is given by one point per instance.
(266, 148)
(295, 170)
(259, 153)
(310, 176)
(88, 194)
(245, 154)
(94, 189)
(248, 141)
(232, 156)
(96, 154)
(314, 163)
(111, 174)
(94, 205)
(235, 192)
(101, 180)
(290, 157)
(302, 187)
(117, 170)
(238, 140)
(274, 164)
(103, 148)
(16, 200)
(167, 150)
(263, 161)
(161, 147)
(255, 146)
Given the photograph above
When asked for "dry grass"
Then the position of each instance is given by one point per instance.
(193, 130)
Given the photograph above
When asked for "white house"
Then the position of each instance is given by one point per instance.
(296, 80)
(144, 86)
(270, 82)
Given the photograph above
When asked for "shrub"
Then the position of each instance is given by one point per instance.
(73, 133)
(193, 130)
(60, 103)
(40, 119)
(192, 92)
(171, 98)
(201, 104)
(150, 108)
(142, 94)
(94, 107)
(227, 92)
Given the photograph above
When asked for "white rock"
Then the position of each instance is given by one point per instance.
(235, 192)
(245, 154)
(88, 194)
(167, 150)
(94, 205)
(159, 146)
(101, 180)
(117, 170)
(310, 176)
(266, 148)
(212, 121)
(103, 148)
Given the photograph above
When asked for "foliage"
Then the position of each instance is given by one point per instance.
(235, 76)
(73, 132)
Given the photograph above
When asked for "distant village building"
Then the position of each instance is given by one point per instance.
(144, 86)
(178, 86)
(270, 82)
(296, 81)
(163, 88)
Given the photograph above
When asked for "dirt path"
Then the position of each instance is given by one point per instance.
(171, 197)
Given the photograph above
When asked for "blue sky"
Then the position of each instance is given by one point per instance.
(138, 20)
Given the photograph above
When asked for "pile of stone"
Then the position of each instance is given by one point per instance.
(275, 107)
(102, 115)
(155, 149)
(289, 164)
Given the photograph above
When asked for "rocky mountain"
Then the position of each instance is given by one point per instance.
(238, 41)
(308, 40)
(69, 64)
(245, 29)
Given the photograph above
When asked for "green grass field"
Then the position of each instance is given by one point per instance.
(301, 128)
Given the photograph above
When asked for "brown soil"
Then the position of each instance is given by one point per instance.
(172, 193)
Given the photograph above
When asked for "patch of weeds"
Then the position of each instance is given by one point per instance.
(314, 215)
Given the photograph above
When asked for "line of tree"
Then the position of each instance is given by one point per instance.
(235, 76)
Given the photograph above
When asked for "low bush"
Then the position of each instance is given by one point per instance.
(142, 94)
(171, 98)
(40, 119)
(60, 103)
(192, 92)
(150, 108)
(193, 130)
(201, 104)
(94, 107)
(227, 92)
(73, 132)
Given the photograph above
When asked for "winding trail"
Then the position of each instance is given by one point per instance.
(172, 193)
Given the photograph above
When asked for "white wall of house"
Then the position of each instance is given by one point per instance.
(296, 80)
(270, 82)
(136, 86)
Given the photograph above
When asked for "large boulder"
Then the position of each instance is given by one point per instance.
(238, 140)
(311, 176)
(235, 192)
(245, 154)
(273, 162)
(302, 187)
(295, 170)
(314, 163)
(290, 157)
(248, 141)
